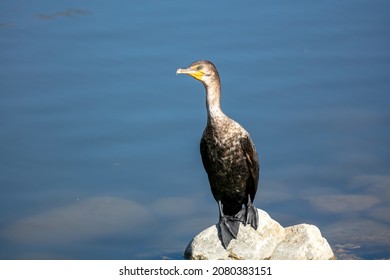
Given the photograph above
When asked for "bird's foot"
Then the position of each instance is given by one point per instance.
(248, 215)
(228, 229)
(252, 216)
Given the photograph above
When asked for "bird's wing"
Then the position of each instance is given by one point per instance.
(252, 160)
(205, 155)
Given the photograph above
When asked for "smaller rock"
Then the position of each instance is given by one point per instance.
(303, 242)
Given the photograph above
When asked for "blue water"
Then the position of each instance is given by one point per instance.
(99, 139)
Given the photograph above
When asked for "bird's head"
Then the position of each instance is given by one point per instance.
(202, 70)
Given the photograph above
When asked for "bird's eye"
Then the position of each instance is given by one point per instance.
(199, 67)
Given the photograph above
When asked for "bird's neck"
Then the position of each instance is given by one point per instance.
(213, 102)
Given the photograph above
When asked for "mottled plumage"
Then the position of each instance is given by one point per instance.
(231, 162)
(229, 157)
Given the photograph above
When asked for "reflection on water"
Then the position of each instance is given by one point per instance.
(65, 13)
(80, 221)
(99, 138)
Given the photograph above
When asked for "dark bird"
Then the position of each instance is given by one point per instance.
(229, 158)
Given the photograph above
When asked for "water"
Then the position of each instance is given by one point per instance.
(100, 139)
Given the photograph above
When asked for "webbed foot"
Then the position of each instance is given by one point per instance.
(248, 215)
(228, 229)
(252, 216)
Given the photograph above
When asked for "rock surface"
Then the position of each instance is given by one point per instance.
(303, 242)
(269, 241)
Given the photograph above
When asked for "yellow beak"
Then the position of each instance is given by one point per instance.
(197, 74)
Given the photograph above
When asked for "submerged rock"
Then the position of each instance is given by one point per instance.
(269, 241)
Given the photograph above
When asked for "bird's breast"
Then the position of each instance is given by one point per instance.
(225, 151)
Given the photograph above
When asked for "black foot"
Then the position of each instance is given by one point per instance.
(228, 229)
(252, 217)
(248, 215)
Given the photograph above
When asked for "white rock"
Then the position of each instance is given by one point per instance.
(250, 243)
(269, 241)
(303, 242)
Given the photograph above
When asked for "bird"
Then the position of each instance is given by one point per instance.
(229, 158)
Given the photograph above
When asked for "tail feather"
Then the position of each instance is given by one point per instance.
(228, 226)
